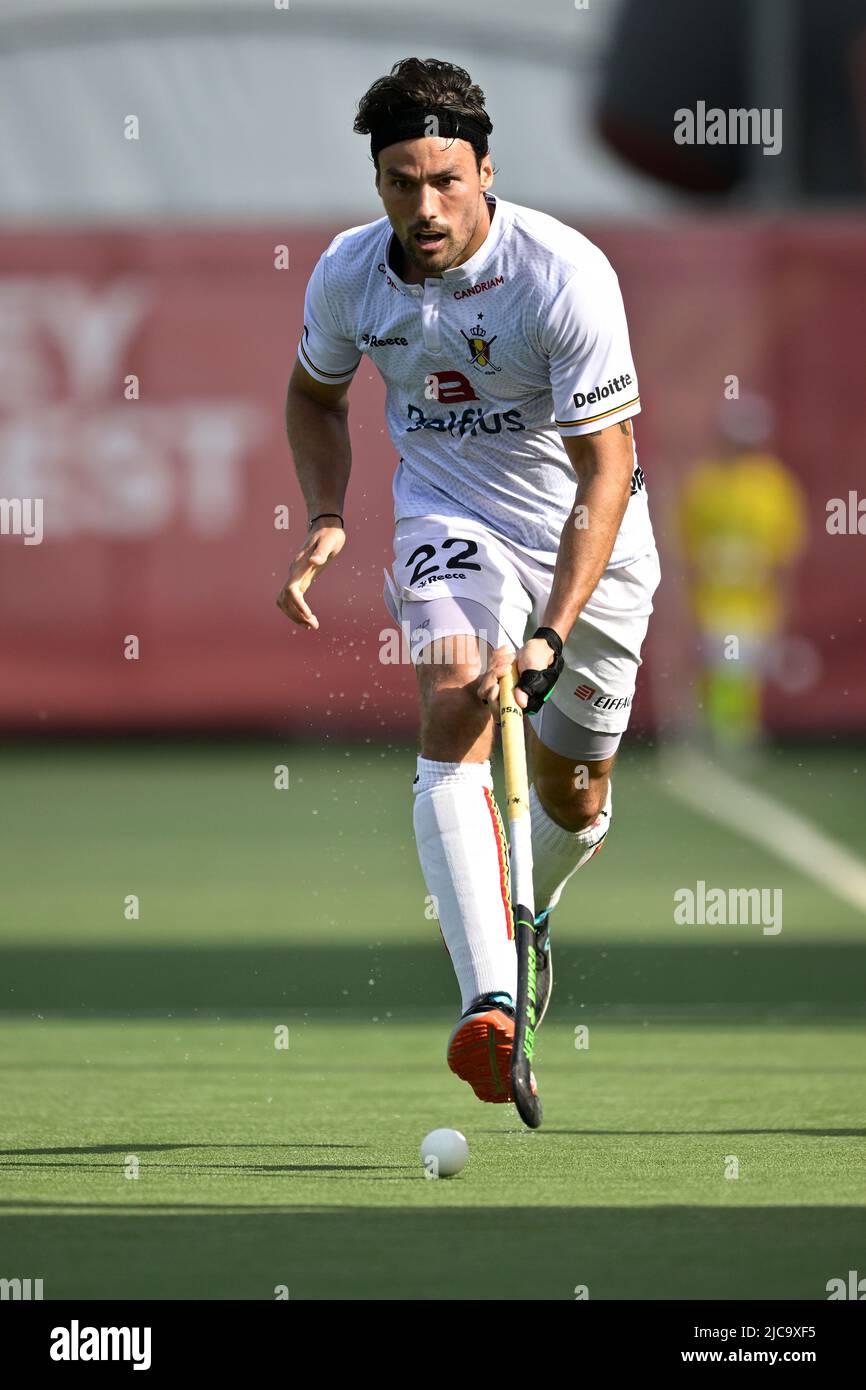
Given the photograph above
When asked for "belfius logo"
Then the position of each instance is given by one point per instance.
(470, 422)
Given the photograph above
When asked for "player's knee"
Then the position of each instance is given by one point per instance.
(569, 803)
(453, 720)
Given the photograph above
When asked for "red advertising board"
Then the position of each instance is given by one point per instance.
(142, 379)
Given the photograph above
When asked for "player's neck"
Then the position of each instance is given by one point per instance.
(411, 274)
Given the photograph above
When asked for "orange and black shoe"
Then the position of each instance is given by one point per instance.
(479, 1049)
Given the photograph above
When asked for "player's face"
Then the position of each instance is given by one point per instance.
(432, 191)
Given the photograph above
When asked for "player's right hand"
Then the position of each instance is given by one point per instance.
(487, 687)
(321, 545)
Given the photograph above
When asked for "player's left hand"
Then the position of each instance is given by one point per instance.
(534, 655)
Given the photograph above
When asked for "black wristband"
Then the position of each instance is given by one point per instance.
(321, 514)
(553, 639)
(538, 685)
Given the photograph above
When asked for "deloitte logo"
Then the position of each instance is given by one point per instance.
(601, 393)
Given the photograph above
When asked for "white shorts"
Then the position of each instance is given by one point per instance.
(451, 575)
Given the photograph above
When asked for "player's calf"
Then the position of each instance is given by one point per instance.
(459, 833)
(558, 852)
(571, 807)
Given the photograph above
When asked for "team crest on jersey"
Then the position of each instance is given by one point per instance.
(479, 348)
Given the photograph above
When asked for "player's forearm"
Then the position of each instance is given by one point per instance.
(319, 441)
(586, 543)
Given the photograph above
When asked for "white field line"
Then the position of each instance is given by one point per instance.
(762, 819)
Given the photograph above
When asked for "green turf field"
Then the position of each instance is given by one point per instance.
(153, 1039)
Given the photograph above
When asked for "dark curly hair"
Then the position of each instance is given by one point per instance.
(422, 83)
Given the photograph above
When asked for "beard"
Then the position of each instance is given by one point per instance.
(434, 262)
(439, 259)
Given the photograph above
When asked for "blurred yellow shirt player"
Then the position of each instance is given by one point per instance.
(742, 524)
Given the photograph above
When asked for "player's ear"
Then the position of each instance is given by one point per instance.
(485, 173)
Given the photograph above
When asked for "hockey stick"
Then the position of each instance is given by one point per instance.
(522, 898)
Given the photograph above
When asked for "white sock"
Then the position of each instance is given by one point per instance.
(559, 853)
(464, 858)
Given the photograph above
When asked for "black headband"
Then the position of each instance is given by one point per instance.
(413, 122)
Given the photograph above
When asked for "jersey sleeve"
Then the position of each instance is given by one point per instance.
(585, 336)
(325, 350)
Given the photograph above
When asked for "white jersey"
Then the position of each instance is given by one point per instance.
(486, 366)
